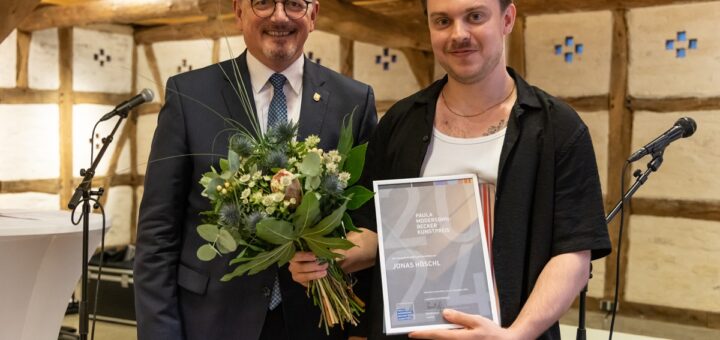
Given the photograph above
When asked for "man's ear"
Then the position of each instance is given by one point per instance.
(313, 13)
(237, 10)
(509, 19)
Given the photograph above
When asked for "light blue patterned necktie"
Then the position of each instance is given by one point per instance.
(275, 296)
(278, 105)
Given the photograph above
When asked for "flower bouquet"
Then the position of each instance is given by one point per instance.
(274, 196)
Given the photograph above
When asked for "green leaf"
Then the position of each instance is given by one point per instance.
(208, 232)
(224, 164)
(275, 231)
(206, 252)
(355, 163)
(234, 160)
(261, 261)
(322, 246)
(312, 182)
(307, 213)
(360, 195)
(327, 224)
(248, 245)
(211, 189)
(226, 241)
(311, 164)
(348, 223)
(346, 136)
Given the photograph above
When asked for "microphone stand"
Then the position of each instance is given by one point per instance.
(640, 179)
(83, 194)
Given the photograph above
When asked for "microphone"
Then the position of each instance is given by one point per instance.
(143, 97)
(684, 127)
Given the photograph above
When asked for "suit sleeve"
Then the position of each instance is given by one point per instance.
(162, 214)
(367, 120)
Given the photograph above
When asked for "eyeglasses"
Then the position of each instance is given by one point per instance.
(294, 9)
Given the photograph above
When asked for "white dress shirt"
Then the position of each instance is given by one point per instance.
(263, 90)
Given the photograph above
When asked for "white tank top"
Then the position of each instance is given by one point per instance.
(449, 155)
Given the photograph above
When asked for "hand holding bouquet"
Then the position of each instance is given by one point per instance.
(274, 196)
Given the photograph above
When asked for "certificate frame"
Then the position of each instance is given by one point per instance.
(483, 285)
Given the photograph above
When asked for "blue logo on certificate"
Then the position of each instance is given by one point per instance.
(405, 311)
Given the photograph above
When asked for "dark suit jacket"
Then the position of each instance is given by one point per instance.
(178, 296)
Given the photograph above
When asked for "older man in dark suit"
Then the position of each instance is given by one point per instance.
(177, 295)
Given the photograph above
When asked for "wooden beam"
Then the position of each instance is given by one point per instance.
(675, 315)
(675, 104)
(23, 59)
(105, 12)
(516, 50)
(28, 96)
(708, 210)
(589, 103)
(422, 64)
(112, 167)
(214, 29)
(347, 57)
(149, 108)
(155, 70)
(100, 98)
(360, 24)
(12, 12)
(527, 7)
(620, 139)
(48, 186)
(132, 139)
(216, 51)
(65, 38)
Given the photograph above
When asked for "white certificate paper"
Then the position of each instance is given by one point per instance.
(433, 252)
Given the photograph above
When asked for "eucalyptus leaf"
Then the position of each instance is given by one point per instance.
(206, 252)
(227, 241)
(261, 261)
(360, 195)
(224, 164)
(234, 160)
(211, 189)
(327, 224)
(307, 213)
(312, 183)
(275, 231)
(355, 163)
(208, 232)
(311, 164)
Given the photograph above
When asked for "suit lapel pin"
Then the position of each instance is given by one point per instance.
(316, 97)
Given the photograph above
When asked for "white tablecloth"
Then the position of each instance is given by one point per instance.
(40, 265)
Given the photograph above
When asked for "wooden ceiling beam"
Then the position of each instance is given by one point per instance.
(12, 12)
(116, 11)
(214, 29)
(531, 7)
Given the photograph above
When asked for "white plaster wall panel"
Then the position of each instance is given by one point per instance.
(29, 142)
(674, 51)
(30, 201)
(84, 118)
(44, 60)
(232, 47)
(673, 262)
(144, 75)
(596, 285)
(386, 70)
(118, 208)
(569, 54)
(324, 48)
(597, 123)
(102, 61)
(175, 57)
(124, 160)
(8, 60)
(690, 166)
(145, 131)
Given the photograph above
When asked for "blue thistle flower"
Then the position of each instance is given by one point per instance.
(282, 133)
(242, 145)
(250, 221)
(230, 214)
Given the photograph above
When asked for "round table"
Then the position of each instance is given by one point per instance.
(40, 265)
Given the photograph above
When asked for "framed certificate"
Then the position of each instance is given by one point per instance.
(433, 252)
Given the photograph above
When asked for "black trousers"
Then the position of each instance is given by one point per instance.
(274, 327)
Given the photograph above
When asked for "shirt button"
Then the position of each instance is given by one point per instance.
(266, 291)
(426, 138)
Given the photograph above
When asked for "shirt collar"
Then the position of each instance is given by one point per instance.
(259, 74)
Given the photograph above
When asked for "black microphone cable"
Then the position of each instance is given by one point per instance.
(619, 251)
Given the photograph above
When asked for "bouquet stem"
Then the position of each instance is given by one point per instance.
(336, 299)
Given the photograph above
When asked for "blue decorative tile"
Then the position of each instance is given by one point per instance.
(569, 57)
(693, 44)
(558, 49)
(681, 36)
(670, 44)
(569, 41)
(680, 53)
(385, 59)
(681, 44)
(579, 48)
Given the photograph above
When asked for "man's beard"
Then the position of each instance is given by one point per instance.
(488, 65)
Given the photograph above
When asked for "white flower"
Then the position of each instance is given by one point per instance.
(257, 175)
(286, 180)
(251, 184)
(244, 178)
(293, 200)
(267, 200)
(344, 176)
(270, 210)
(245, 193)
(312, 141)
(331, 167)
(278, 197)
(292, 160)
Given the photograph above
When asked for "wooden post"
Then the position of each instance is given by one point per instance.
(155, 70)
(216, 51)
(347, 57)
(516, 47)
(422, 64)
(619, 142)
(132, 122)
(65, 38)
(23, 57)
